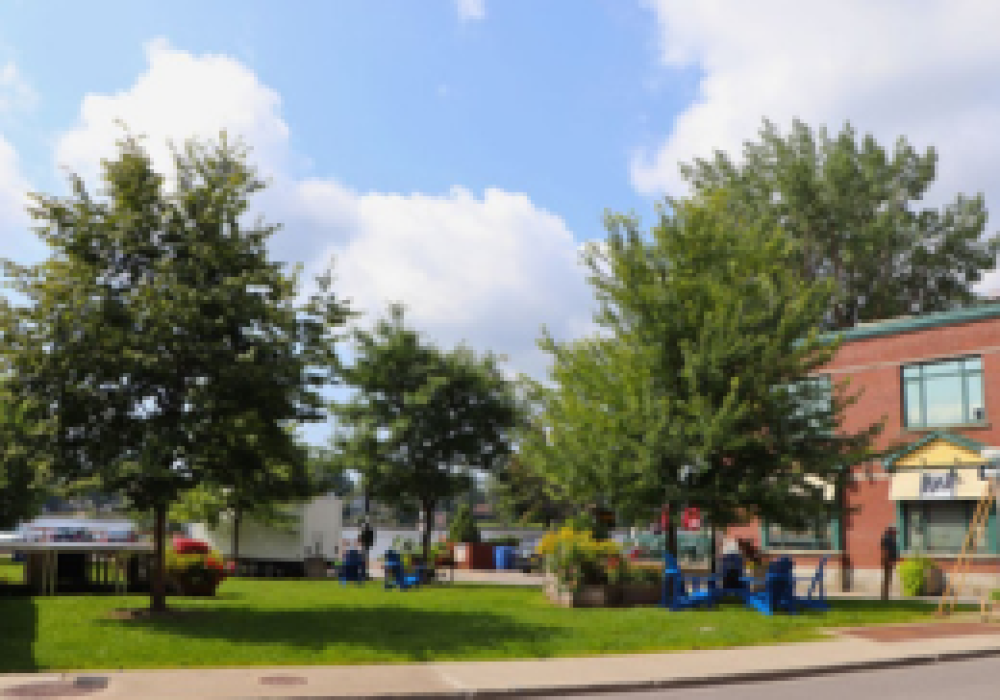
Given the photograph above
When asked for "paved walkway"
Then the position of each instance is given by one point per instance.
(846, 650)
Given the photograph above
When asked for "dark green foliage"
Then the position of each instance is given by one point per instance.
(23, 470)
(853, 211)
(463, 527)
(520, 494)
(160, 343)
(692, 393)
(422, 418)
(912, 575)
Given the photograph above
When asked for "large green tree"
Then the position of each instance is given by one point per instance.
(854, 209)
(521, 494)
(421, 418)
(159, 337)
(24, 471)
(695, 390)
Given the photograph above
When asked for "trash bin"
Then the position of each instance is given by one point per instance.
(503, 557)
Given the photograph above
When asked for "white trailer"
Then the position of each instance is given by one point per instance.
(314, 534)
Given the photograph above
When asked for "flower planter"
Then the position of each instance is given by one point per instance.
(641, 593)
(933, 581)
(602, 596)
(469, 555)
(187, 587)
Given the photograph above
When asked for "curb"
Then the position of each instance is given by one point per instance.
(666, 683)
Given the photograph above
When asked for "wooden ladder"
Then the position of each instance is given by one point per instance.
(956, 580)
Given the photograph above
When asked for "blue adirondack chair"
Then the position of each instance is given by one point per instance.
(815, 598)
(395, 576)
(681, 591)
(353, 567)
(779, 589)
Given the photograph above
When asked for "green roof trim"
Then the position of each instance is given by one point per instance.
(895, 326)
(889, 463)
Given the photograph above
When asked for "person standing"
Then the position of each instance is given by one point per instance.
(366, 538)
(890, 554)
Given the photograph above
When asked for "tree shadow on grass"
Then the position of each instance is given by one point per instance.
(407, 634)
(18, 631)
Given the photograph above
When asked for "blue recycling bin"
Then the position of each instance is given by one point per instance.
(503, 557)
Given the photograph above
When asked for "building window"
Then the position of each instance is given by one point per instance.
(940, 527)
(818, 537)
(943, 393)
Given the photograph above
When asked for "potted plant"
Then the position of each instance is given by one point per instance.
(578, 566)
(641, 584)
(920, 576)
(194, 573)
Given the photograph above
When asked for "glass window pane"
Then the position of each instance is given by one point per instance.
(943, 400)
(911, 372)
(914, 413)
(914, 527)
(974, 392)
(809, 539)
(939, 368)
(946, 526)
(973, 363)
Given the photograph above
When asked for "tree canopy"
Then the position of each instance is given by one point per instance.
(162, 344)
(854, 211)
(696, 388)
(24, 470)
(421, 418)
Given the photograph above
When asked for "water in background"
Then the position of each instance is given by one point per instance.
(384, 536)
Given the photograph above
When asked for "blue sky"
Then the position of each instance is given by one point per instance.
(455, 154)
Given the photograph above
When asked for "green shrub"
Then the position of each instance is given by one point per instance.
(912, 575)
(463, 527)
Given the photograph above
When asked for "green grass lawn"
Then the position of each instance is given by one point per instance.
(258, 622)
(9, 571)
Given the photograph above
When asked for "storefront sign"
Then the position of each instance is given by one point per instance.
(938, 487)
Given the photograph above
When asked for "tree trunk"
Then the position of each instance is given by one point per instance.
(428, 524)
(237, 518)
(671, 542)
(712, 548)
(158, 591)
(845, 559)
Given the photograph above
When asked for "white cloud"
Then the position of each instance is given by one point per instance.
(15, 92)
(926, 70)
(490, 270)
(917, 69)
(13, 190)
(179, 96)
(16, 239)
(471, 10)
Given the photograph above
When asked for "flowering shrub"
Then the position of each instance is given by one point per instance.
(195, 568)
(577, 559)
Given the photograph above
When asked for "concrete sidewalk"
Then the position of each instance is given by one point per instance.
(841, 653)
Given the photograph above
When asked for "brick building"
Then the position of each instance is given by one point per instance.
(935, 379)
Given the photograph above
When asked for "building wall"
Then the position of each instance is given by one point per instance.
(872, 366)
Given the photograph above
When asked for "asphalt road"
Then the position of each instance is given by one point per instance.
(952, 680)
